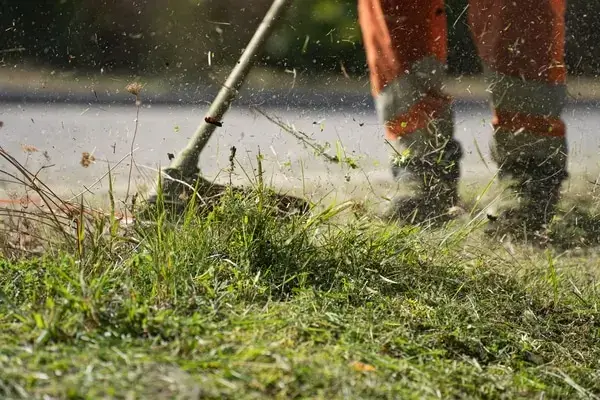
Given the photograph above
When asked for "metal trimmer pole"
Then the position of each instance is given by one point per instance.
(185, 164)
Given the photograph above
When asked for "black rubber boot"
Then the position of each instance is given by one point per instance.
(427, 162)
(531, 172)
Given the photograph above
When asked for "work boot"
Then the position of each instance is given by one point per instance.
(532, 169)
(427, 162)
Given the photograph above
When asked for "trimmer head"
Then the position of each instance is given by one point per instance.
(184, 166)
(176, 194)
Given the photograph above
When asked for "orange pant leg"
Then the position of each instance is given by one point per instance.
(521, 44)
(406, 47)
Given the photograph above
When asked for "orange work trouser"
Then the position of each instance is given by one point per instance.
(521, 45)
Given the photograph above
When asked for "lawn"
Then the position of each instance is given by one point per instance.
(239, 302)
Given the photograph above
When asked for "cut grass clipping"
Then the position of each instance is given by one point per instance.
(239, 303)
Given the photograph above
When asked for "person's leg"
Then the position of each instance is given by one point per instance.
(521, 45)
(406, 47)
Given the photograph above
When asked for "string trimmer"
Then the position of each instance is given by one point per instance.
(183, 173)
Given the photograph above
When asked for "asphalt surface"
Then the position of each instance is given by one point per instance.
(61, 130)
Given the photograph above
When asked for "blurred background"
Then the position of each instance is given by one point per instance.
(175, 38)
(64, 65)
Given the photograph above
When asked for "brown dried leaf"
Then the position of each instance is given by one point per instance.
(28, 148)
(362, 367)
(87, 159)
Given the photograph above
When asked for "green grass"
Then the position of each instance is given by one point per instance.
(238, 303)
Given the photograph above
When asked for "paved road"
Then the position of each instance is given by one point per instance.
(63, 131)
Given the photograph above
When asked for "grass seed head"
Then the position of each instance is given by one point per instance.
(135, 88)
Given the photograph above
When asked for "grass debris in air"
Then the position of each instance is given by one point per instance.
(239, 303)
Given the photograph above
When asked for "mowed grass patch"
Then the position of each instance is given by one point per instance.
(240, 303)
